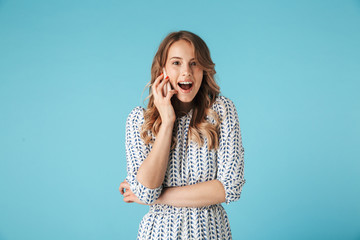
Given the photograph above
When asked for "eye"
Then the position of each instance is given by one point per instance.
(176, 63)
(193, 64)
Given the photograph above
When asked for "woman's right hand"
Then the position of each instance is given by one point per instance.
(163, 103)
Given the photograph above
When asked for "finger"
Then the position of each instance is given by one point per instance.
(128, 193)
(170, 94)
(121, 190)
(161, 86)
(128, 190)
(154, 91)
(169, 87)
(128, 200)
(124, 185)
(157, 90)
(158, 80)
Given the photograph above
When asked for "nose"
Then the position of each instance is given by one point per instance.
(186, 71)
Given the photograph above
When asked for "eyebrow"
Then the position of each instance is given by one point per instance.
(181, 58)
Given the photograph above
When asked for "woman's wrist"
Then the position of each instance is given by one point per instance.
(161, 197)
(168, 124)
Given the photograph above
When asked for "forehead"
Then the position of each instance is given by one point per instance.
(182, 49)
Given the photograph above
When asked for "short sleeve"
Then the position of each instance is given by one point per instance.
(230, 157)
(136, 152)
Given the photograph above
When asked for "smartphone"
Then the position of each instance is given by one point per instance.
(167, 86)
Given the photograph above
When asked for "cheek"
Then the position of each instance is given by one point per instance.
(173, 82)
(199, 77)
(172, 74)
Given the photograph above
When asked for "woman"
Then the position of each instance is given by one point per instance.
(184, 151)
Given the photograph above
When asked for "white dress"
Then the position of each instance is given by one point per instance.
(189, 164)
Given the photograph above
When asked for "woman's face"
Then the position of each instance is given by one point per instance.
(183, 70)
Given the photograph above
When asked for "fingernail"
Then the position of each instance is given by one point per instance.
(167, 77)
(161, 74)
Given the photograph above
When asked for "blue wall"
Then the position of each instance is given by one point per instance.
(71, 71)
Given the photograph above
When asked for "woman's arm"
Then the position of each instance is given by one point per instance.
(146, 168)
(196, 195)
(229, 180)
(152, 171)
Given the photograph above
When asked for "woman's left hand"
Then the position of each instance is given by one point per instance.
(129, 196)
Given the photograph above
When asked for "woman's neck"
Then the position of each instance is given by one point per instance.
(181, 108)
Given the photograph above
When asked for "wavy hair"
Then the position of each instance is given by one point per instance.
(199, 127)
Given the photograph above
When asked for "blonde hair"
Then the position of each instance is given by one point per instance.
(204, 99)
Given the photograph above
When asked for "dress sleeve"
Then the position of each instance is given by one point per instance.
(136, 152)
(230, 159)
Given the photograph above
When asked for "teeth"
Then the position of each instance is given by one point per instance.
(185, 83)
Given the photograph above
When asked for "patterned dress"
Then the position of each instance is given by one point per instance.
(189, 164)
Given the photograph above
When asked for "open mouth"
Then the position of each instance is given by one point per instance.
(185, 85)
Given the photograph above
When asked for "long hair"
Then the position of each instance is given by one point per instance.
(199, 127)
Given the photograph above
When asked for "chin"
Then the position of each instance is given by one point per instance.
(185, 99)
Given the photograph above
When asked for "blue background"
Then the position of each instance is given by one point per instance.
(71, 71)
